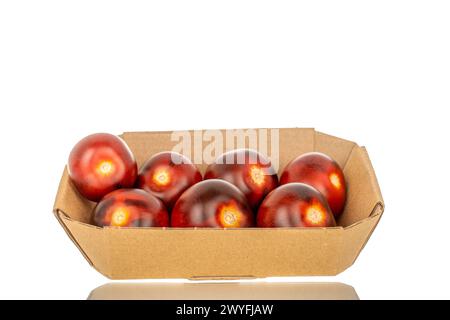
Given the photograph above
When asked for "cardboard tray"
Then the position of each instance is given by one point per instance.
(196, 253)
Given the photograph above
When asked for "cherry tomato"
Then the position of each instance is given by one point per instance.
(212, 203)
(167, 175)
(130, 208)
(101, 163)
(248, 170)
(295, 205)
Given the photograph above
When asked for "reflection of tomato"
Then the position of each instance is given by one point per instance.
(248, 170)
(321, 172)
(130, 208)
(101, 163)
(295, 205)
(167, 175)
(212, 203)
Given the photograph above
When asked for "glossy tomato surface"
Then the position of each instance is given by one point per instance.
(248, 170)
(101, 163)
(212, 203)
(167, 175)
(321, 172)
(295, 205)
(130, 208)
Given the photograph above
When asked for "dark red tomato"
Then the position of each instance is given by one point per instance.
(130, 208)
(167, 175)
(295, 205)
(321, 172)
(212, 203)
(101, 163)
(248, 170)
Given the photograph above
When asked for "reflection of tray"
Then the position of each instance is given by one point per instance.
(224, 291)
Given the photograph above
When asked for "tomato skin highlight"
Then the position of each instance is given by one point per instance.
(212, 203)
(101, 163)
(167, 175)
(321, 172)
(130, 208)
(248, 170)
(295, 205)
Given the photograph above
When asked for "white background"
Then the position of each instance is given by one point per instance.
(375, 72)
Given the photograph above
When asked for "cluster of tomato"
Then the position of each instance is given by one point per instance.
(240, 189)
